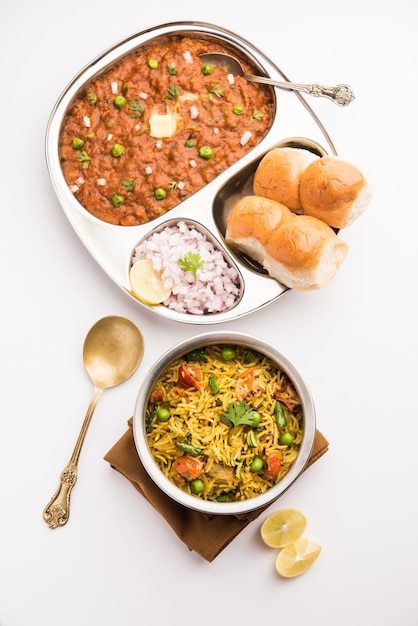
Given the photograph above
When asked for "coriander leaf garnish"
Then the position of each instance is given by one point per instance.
(84, 158)
(217, 91)
(173, 92)
(172, 185)
(256, 116)
(128, 185)
(138, 107)
(240, 413)
(191, 262)
(171, 68)
(92, 98)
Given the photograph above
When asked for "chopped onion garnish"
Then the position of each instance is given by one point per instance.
(246, 136)
(215, 131)
(80, 181)
(148, 169)
(215, 287)
(137, 126)
(110, 137)
(114, 87)
(188, 57)
(74, 188)
(193, 163)
(101, 182)
(86, 121)
(194, 112)
(181, 184)
(143, 95)
(231, 79)
(158, 143)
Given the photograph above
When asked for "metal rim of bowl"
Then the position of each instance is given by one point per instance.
(224, 508)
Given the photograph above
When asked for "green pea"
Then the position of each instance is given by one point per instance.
(78, 143)
(197, 486)
(237, 110)
(205, 152)
(153, 64)
(286, 439)
(190, 143)
(228, 353)
(256, 419)
(117, 150)
(160, 193)
(119, 102)
(256, 465)
(117, 200)
(163, 415)
(207, 69)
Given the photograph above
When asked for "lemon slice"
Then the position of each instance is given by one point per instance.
(147, 284)
(283, 527)
(297, 557)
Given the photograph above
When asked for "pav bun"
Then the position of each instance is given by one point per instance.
(304, 253)
(251, 222)
(278, 175)
(334, 191)
(299, 251)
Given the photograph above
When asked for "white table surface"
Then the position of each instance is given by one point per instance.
(117, 561)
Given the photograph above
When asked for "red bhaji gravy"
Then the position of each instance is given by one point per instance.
(154, 129)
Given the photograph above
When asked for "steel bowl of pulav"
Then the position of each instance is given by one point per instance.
(224, 423)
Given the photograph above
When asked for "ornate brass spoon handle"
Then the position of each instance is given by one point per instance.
(341, 94)
(112, 352)
(57, 512)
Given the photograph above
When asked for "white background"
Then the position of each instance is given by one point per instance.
(117, 562)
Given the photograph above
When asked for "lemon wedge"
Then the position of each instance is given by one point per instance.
(147, 284)
(297, 557)
(283, 527)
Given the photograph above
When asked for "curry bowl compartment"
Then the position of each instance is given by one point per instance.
(154, 127)
(207, 204)
(174, 421)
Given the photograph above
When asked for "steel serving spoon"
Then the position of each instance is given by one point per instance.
(112, 352)
(341, 94)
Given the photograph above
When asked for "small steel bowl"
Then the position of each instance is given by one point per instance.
(224, 508)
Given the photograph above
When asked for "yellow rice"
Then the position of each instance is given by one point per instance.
(196, 413)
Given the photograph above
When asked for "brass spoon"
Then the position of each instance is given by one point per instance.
(341, 94)
(112, 352)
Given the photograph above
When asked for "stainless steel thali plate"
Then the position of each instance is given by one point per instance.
(294, 124)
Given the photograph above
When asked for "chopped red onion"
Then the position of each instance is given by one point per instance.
(216, 287)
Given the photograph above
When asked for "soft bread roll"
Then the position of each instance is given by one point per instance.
(251, 222)
(278, 175)
(299, 251)
(304, 253)
(334, 191)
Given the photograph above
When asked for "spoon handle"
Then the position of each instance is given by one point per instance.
(57, 511)
(341, 94)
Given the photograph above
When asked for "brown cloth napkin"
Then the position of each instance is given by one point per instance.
(206, 535)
